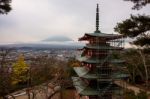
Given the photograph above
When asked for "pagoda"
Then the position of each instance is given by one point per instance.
(99, 69)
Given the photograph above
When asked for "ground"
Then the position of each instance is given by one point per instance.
(67, 94)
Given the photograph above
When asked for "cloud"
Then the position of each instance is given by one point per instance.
(32, 20)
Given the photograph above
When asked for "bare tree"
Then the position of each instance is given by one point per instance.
(145, 67)
(5, 77)
(54, 77)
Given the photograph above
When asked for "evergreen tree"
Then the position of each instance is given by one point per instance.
(5, 6)
(138, 28)
(138, 4)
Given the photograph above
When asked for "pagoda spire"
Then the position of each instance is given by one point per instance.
(97, 19)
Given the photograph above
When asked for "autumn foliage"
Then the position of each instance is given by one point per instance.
(19, 71)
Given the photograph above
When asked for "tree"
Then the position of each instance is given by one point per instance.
(134, 65)
(5, 6)
(20, 71)
(5, 77)
(138, 4)
(143, 58)
(72, 62)
(48, 76)
(137, 64)
(131, 95)
(138, 28)
(142, 95)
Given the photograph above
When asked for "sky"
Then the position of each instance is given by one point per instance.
(35, 20)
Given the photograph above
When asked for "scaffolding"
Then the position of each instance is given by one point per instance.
(98, 71)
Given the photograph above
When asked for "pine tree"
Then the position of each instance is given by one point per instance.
(5, 6)
(138, 28)
(138, 4)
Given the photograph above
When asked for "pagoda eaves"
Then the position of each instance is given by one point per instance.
(102, 36)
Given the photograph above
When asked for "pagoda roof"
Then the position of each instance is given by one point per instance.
(100, 35)
(85, 73)
(97, 60)
(86, 90)
(83, 88)
(98, 47)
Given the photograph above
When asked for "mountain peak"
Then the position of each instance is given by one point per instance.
(57, 39)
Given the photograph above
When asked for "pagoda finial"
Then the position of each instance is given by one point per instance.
(97, 19)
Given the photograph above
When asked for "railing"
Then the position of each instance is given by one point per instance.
(97, 44)
(103, 91)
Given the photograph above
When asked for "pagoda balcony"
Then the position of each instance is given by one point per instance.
(89, 60)
(102, 47)
(105, 67)
(104, 76)
(97, 44)
(110, 88)
(102, 80)
(97, 60)
(86, 73)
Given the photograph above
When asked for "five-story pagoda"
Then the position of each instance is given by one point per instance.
(96, 75)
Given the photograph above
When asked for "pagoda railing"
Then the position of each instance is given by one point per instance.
(97, 44)
(117, 42)
(113, 46)
(105, 90)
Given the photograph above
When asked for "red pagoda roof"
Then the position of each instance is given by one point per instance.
(103, 36)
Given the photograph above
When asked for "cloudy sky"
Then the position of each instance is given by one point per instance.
(35, 20)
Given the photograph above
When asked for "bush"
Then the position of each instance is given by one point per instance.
(131, 95)
(142, 95)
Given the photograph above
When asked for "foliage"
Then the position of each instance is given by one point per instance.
(48, 72)
(131, 95)
(5, 6)
(135, 65)
(138, 4)
(40, 74)
(43, 69)
(142, 95)
(5, 77)
(72, 62)
(20, 71)
(5, 82)
(137, 27)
